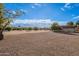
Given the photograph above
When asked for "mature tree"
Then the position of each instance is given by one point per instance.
(77, 23)
(55, 26)
(6, 16)
(70, 23)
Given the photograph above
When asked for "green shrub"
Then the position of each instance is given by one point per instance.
(8, 28)
(19, 29)
(55, 27)
(16, 28)
(35, 28)
(0, 28)
(29, 28)
(24, 28)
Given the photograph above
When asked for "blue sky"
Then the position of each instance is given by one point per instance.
(43, 14)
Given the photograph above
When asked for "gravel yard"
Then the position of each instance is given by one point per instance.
(39, 43)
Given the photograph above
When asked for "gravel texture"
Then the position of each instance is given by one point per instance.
(39, 43)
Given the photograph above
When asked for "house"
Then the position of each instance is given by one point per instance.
(68, 28)
(77, 29)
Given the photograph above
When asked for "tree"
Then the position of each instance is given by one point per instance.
(6, 17)
(70, 24)
(36, 28)
(77, 23)
(55, 27)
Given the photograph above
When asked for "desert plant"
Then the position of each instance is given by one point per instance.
(70, 23)
(29, 28)
(55, 27)
(35, 28)
(77, 23)
(7, 16)
(8, 28)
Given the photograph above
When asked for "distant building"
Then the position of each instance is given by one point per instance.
(77, 28)
(68, 28)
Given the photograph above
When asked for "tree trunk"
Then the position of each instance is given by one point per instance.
(1, 31)
(1, 35)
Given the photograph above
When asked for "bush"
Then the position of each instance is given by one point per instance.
(25, 29)
(35, 28)
(0, 28)
(16, 28)
(29, 28)
(19, 29)
(55, 28)
(8, 28)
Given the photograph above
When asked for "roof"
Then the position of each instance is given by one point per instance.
(67, 26)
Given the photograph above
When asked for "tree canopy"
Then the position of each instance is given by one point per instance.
(77, 23)
(55, 26)
(70, 23)
(7, 15)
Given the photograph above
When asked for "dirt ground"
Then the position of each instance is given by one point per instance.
(39, 43)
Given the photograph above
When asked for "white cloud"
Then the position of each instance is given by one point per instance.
(33, 21)
(24, 11)
(13, 12)
(67, 5)
(62, 9)
(20, 10)
(36, 22)
(37, 4)
(33, 6)
(76, 17)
